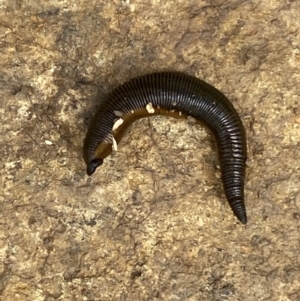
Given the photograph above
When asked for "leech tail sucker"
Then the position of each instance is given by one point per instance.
(181, 96)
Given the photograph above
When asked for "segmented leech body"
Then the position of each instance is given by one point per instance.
(181, 96)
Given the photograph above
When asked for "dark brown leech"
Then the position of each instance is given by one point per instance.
(178, 95)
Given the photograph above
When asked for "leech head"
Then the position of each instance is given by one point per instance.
(93, 165)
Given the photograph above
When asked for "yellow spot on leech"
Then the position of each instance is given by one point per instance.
(192, 119)
(119, 113)
(150, 108)
(115, 145)
(117, 124)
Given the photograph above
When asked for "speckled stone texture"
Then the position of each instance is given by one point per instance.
(152, 223)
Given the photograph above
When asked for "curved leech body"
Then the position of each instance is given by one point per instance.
(178, 95)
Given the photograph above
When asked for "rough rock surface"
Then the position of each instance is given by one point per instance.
(152, 223)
